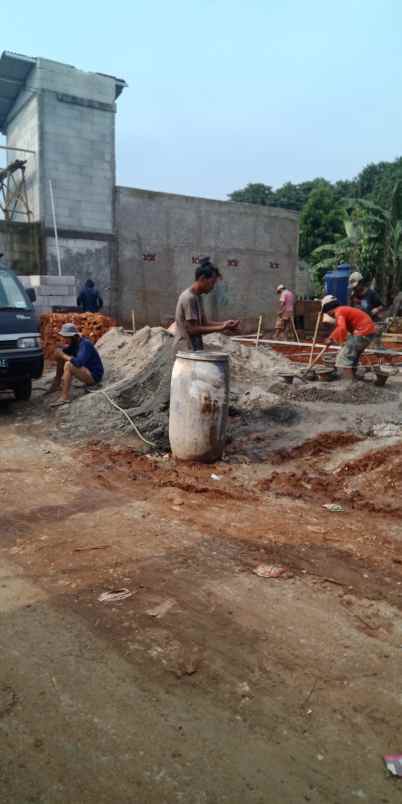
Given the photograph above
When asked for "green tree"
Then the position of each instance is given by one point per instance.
(372, 243)
(321, 220)
(254, 194)
(293, 196)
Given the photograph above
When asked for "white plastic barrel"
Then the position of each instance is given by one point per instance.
(199, 401)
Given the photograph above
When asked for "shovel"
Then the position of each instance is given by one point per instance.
(306, 372)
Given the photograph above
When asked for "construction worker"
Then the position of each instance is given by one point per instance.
(191, 322)
(283, 325)
(366, 298)
(354, 330)
(78, 359)
(90, 300)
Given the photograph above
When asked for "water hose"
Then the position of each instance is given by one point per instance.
(124, 412)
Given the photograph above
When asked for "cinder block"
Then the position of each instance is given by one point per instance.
(58, 290)
(42, 298)
(55, 279)
(44, 282)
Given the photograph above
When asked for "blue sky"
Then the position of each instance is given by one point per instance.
(223, 92)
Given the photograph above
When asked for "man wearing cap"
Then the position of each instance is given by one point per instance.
(354, 330)
(285, 312)
(77, 359)
(363, 297)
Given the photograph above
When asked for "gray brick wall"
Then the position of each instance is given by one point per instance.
(84, 259)
(67, 116)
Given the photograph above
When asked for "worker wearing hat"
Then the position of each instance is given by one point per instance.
(285, 312)
(78, 359)
(366, 298)
(354, 330)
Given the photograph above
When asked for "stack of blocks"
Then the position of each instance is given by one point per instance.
(52, 291)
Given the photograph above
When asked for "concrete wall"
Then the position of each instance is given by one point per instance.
(79, 159)
(84, 259)
(160, 236)
(303, 284)
(20, 244)
(140, 247)
(67, 116)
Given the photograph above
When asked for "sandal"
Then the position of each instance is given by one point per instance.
(60, 403)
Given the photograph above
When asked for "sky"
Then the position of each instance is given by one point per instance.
(225, 92)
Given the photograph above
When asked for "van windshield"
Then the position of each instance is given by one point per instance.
(11, 295)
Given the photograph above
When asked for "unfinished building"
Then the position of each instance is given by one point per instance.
(141, 247)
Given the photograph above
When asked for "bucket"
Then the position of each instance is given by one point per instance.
(199, 400)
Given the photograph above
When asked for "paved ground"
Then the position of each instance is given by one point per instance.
(208, 684)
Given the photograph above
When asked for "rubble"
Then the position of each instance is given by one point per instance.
(91, 325)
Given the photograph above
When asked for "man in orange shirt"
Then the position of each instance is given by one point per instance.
(354, 329)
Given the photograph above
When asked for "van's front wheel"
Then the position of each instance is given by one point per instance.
(23, 390)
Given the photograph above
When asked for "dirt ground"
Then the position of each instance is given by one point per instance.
(207, 683)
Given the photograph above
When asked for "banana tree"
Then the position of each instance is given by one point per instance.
(344, 249)
(372, 243)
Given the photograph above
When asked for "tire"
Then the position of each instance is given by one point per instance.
(23, 390)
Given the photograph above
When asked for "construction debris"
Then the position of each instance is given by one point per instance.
(270, 571)
(114, 595)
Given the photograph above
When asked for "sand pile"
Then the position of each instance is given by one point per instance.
(92, 325)
(137, 378)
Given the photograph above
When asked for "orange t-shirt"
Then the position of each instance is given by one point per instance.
(351, 321)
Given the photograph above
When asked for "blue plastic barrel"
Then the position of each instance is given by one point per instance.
(336, 282)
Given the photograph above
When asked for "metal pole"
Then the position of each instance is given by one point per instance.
(11, 148)
(56, 239)
(259, 331)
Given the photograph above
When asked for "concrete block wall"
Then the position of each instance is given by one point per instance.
(68, 117)
(79, 159)
(52, 291)
(85, 259)
(161, 236)
(58, 77)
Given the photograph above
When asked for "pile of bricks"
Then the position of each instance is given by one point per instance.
(91, 325)
(51, 291)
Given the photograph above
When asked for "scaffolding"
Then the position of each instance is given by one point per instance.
(13, 192)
